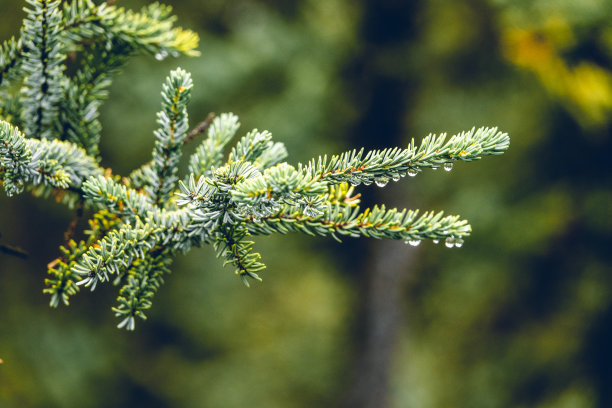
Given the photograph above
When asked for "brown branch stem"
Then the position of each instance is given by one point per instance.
(201, 128)
(13, 250)
(69, 233)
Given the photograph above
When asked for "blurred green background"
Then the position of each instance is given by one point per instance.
(521, 316)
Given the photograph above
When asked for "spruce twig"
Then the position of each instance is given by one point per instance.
(140, 224)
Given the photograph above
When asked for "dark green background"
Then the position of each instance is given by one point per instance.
(521, 316)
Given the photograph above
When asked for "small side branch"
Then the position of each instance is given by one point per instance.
(201, 128)
(69, 233)
(13, 250)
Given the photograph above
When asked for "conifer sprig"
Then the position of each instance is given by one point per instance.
(224, 205)
(142, 222)
(117, 198)
(378, 222)
(43, 66)
(232, 245)
(143, 281)
(41, 162)
(391, 164)
(114, 254)
(173, 127)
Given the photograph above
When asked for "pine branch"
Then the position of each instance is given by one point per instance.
(115, 252)
(16, 164)
(377, 222)
(386, 164)
(239, 200)
(43, 67)
(250, 147)
(232, 246)
(259, 149)
(151, 30)
(223, 201)
(117, 198)
(173, 127)
(51, 163)
(143, 280)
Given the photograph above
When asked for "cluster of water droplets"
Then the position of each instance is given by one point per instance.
(380, 181)
(453, 242)
(160, 56)
(450, 242)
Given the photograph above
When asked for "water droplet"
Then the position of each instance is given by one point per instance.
(161, 55)
(381, 182)
(412, 172)
(458, 242)
(413, 242)
(396, 177)
(450, 242)
(367, 182)
(448, 166)
(434, 167)
(436, 241)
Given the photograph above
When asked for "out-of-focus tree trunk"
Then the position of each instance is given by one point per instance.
(382, 92)
(383, 317)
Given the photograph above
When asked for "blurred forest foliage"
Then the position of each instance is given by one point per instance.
(521, 316)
